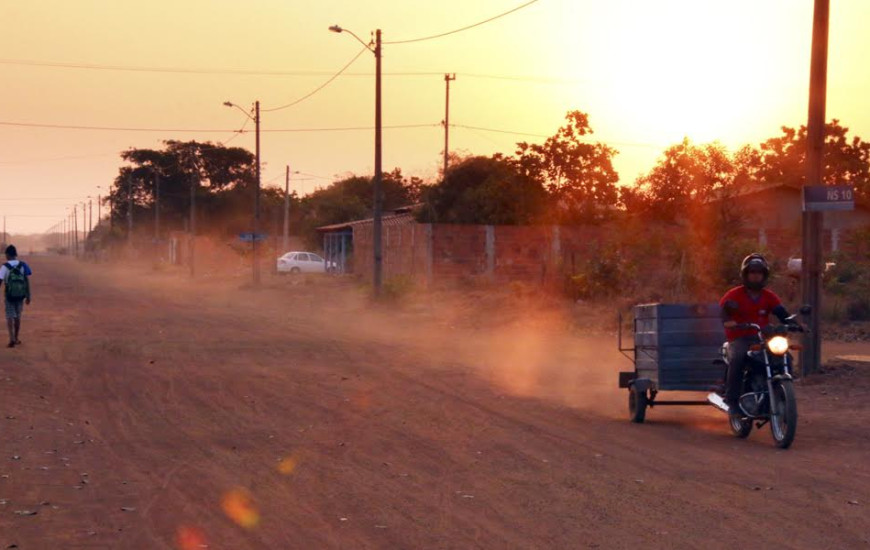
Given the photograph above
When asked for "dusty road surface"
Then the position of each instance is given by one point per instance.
(144, 411)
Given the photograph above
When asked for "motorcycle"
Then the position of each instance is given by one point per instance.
(767, 390)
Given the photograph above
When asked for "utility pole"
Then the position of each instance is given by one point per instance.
(156, 208)
(286, 242)
(255, 255)
(812, 225)
(448, 78)
(90, 216)
(76, 231)
(191, 242)
(377, 214)
(377, 221)
(130, 210)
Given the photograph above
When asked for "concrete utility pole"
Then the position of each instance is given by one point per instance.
(377, 221)
(90, 216)
(812, 225)
(130, 210)
(378, 199)
(76, 231)
(286, 242)
(156, 208)
(191, 242)
(255, 249)
(448, 78)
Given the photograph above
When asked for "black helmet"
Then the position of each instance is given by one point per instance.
(754, 262)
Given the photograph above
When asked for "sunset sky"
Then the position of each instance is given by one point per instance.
(647, 72)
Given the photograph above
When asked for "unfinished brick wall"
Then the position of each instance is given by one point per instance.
(448, 254)
(443, 254)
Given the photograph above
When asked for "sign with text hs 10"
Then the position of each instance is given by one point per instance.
(818, 198)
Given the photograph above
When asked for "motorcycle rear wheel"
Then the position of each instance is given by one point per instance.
(783, 418)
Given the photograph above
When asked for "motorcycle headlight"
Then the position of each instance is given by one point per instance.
(778, 345)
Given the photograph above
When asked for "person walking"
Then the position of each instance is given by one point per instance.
(15, 278)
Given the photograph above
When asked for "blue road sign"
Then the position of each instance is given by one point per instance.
(251, 237)
(818, 198)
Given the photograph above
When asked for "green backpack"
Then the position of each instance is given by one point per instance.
(16, 283)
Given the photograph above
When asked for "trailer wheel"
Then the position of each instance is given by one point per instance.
(637, 403)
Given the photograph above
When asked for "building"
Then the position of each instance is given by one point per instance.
(773, 213)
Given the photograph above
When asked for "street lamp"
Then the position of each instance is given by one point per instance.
(255, 268)
(375, 48)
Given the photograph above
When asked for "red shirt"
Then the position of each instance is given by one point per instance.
(749, 310)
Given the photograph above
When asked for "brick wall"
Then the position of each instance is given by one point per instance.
(443, 254)
(447, 254)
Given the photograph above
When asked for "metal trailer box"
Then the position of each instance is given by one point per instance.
(676, 346)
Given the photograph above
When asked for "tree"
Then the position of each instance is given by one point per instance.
(846, 160)
(484, 190)
(688, 176)
(352, 198)
(222, 176)
(578, 175)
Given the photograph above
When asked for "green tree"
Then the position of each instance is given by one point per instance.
(484, 190)
(223, 177)
(352, 198)
(578, 175)
(846, 161)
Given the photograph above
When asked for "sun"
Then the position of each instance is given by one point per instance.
(703, 70)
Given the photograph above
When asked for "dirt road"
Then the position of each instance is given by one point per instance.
(144, 411)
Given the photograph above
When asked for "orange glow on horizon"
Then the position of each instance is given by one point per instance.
(648, 74)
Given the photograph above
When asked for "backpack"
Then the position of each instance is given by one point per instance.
(16, 283)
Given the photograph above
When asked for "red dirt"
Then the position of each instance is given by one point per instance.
(151, 412)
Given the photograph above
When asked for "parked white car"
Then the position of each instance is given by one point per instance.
(304, 262)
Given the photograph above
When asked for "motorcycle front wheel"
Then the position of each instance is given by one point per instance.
(783, 418)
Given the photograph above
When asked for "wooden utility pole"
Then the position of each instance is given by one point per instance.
(448, 78)
(812, 225)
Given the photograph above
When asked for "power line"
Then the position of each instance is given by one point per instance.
(208, 130)
(111, 128)
(529, 134)
(479, 23)
(172, 70)
(355, 128)
(314, 176)
(322, 86)
(51, 159)
(497, 131)
(217, 71)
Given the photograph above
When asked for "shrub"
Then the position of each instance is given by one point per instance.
(397, 288)
(605, 275)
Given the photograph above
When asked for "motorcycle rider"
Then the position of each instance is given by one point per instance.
(750, 302)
